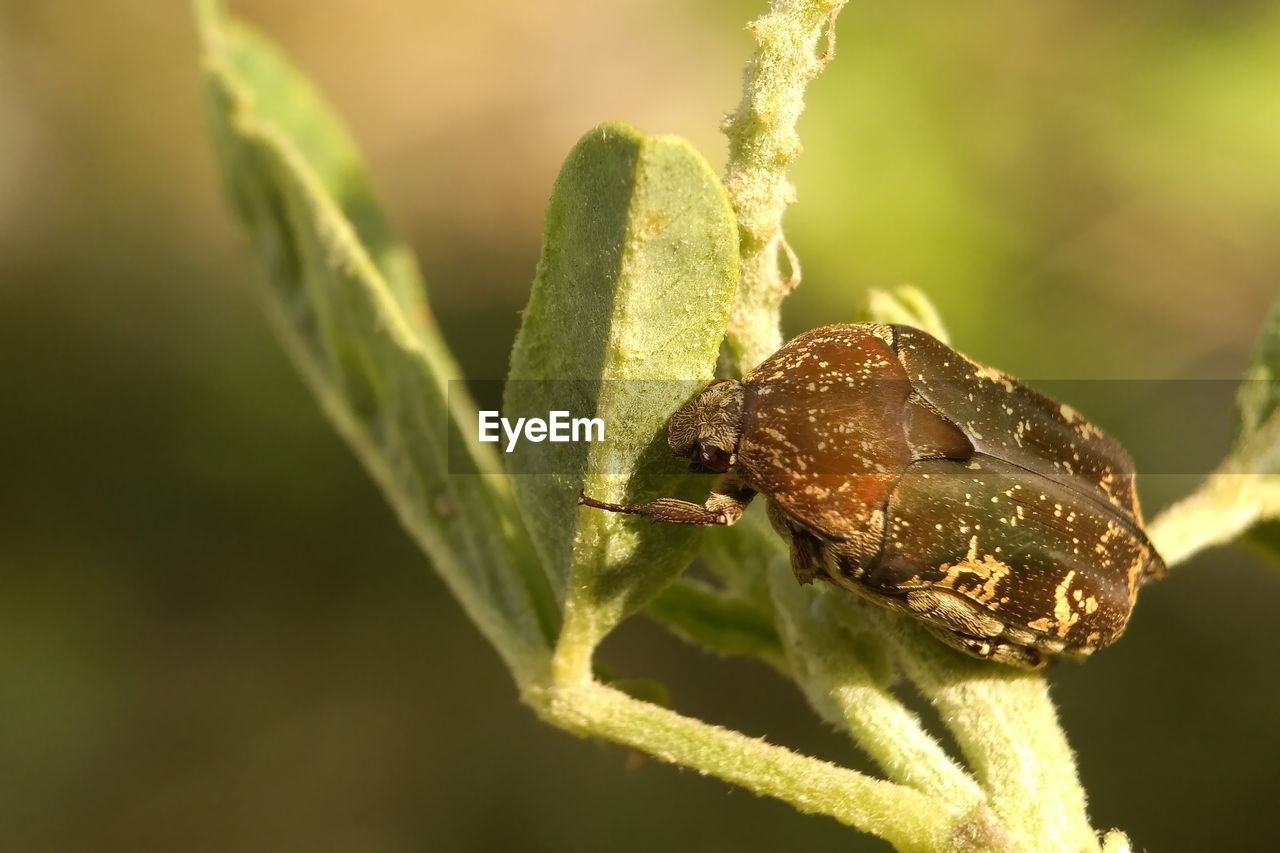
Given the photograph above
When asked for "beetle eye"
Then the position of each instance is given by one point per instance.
(715, 458)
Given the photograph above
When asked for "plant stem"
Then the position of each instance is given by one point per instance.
(762, 143)
(1242, 492)
(1008, 729)
(1224, 507)
(718, 621)
(908, 819)
(826, 660)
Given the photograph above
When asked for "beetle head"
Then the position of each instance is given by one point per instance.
(706, 429)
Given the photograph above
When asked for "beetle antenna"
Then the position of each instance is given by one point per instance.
(631, 509)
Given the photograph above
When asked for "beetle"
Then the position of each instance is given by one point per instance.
(909, 474)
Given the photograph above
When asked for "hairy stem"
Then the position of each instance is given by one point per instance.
(905, 817)
(1008, 729)
(828, 662)
(762, 143)
(1224, 507)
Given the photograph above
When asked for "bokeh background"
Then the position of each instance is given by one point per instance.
(213, 635)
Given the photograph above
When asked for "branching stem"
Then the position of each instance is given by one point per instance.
(762, 144)
(908, 819)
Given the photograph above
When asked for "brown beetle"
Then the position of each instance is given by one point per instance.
(903, 471)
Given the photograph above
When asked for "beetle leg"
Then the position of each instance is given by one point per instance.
(952, 613)
(962, 626)
(725, 505)
(990, 649)
(847, 559)
(806, 556)
(806, 549)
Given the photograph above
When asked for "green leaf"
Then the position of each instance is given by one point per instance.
(346, 301)
(1259, 395)
(906, 305)
(740, 558)
(718, 621)
(624, 323)
(300, 114)
(1242, 497)
(1256, 449)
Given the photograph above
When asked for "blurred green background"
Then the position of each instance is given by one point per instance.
(213, 635)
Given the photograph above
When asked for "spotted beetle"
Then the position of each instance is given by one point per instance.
(907, 473)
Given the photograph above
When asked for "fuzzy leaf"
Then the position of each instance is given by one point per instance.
(1260, 392)
(624, 323)
(718, 621)
(1257, 446)
(1247, 485)
(906, 305)
(347, 304)
(1242, 497)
